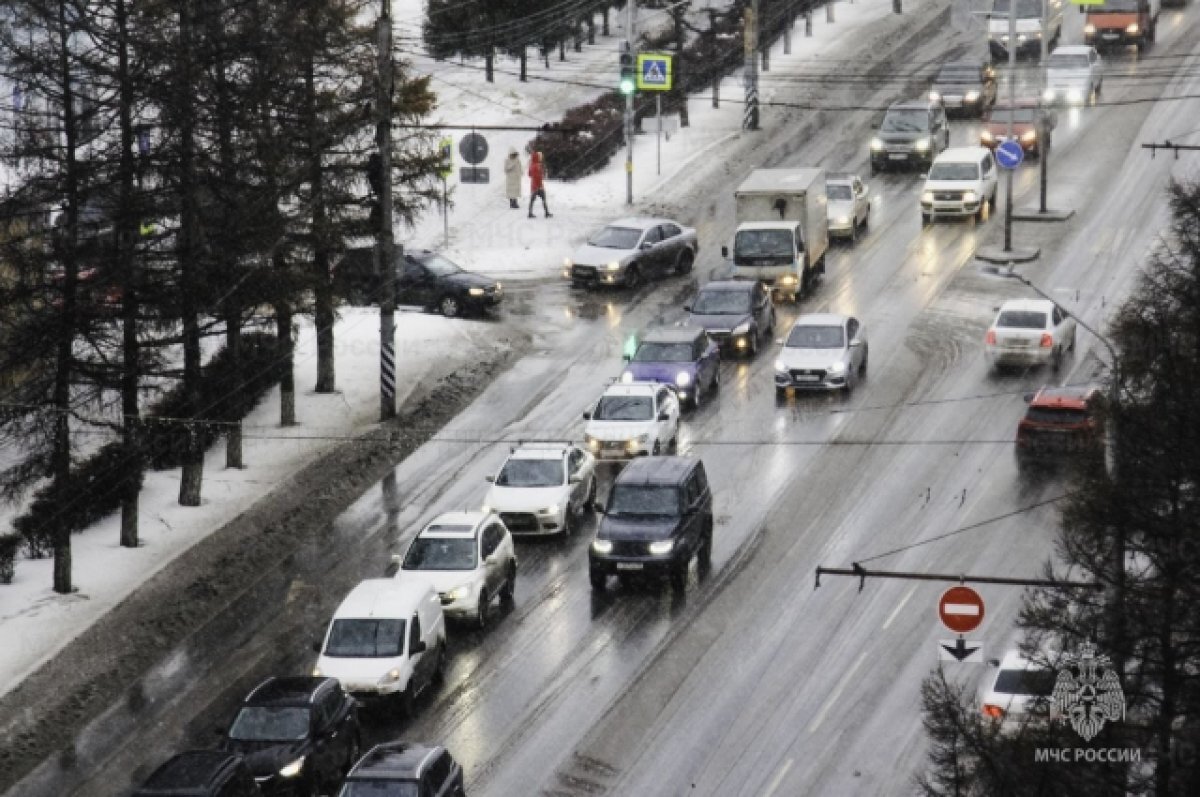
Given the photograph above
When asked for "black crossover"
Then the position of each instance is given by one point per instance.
(405, 769)
(201, 773)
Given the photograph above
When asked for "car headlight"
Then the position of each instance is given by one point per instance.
(566, 272)
(476, 291)
(876, 144)
(683, 379)
(456, 594)
(613, 266)
(292, 769)
(1021, 38)
(1048, 94)
(499, 287)
(317, 672)
(971, 96)
(970, 196)
(927, 197)
(567, 262)
(921, 144)
(837, 367)
(591, 442)
(550, 510)
(780, 365)
(661, 547)
(627, 376)
(842, 220)
(391, 676)
(986, 135)
(788, 279)
(602, 546)
(1089, 29)
(1074, 95)
(1029, 135)
(933, 95)
(1132, 29)
(485, 509)
(741, 329)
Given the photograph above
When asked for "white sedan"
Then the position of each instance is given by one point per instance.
(849, 208)
(1029, 332)
(633, 419)
(543, 488)
(823, 351)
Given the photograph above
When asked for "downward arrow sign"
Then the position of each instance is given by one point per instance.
(960, 650)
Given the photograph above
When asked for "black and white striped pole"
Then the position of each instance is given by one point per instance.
(385, 245)
(750, 115)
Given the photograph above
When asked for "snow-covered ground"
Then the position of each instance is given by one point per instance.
(484, 234)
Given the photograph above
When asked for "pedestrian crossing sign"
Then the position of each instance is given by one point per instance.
(654, 72)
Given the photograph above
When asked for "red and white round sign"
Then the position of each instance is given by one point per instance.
(961, 609)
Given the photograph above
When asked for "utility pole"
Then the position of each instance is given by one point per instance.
(630, 21)
(384, 246)
(750, 116)
(1043, 117)
(1012, 104)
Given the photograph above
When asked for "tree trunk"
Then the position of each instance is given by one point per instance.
(678, 79)
(233, 345)
(323, 315)
(287, 381)
(606, 20)
(127, 227)
(192, 474)
(489, 65)
(578, 43)
(524, 65)
(591, 27)
(562, 50)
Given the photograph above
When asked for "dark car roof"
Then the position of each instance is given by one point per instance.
(671, 334)
(190, 772)
(394, 761)
(737, 286)
(299, 690)
(1063, 397)
(657, 470)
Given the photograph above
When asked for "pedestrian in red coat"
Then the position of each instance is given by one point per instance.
(537, 173)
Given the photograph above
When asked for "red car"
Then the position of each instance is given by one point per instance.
(1061, 420)
(1024, 117)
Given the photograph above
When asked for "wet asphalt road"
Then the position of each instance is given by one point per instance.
(752, 683)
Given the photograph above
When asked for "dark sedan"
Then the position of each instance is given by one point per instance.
(423, 278)
(965, 88)
(298, 735)
(735, 313)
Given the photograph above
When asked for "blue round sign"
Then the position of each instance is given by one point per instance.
(1009, 154)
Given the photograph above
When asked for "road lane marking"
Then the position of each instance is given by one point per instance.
(896, 612)
(837, 692)
(778, 778)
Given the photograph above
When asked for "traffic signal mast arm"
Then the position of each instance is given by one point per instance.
(863, 574)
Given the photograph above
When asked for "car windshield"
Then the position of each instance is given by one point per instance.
(616, 238)
(440, 266)
(354, 638)
(440, 553)
(531, 473)
(651, 352)
(636, 499)
(270, 723)
(721, 303)
(958, 74)
(813, 337)
(1033, 681)
(1026, 9)
(954, 171)
(624, 408)
(1068, 61)
(763, 243)
(1022, 319)
(1016, 114)
(839, 191)
(914, 120)
(1056, 415)
(379, 788)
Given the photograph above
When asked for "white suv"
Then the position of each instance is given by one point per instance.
(543, 488)
(468, 557)
(632, 419)
(1020, 692)
(960, 182)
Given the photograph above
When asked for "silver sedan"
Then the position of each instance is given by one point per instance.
(630, 250)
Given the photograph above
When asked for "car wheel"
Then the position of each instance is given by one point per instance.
(657, 449)
(716, 380)
(697, 399)
(673, 447)
(771, 323)
(753, 351)
(450, 306)
(705, 553)
(684, 265)
(780, 393)
(590, 502)
(354, 752)
(1056, 358)
(924, 219)
(439, 667)
(599, 580)
(510, 585)
(633, 278)
(679, 575)
(408, 701)
(867, 219)
(979, 213)
(481, 615)
(854, 231)
(862, 367)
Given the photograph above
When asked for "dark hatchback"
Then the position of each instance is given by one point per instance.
(658, 516)
(423, 278)
(965, 88)
(298, 734)
(737, 314)
(201, 773)
(405, 769)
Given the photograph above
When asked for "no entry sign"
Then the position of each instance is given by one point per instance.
(961, 609)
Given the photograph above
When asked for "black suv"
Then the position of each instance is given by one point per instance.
(201, 773)
(405, 769)
(423, 278)
(298, 734)
(911, 134)
(658, 515)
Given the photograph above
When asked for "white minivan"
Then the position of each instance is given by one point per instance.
(387, 638)
(960, 183)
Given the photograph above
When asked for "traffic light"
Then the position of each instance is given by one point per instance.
(628, 84)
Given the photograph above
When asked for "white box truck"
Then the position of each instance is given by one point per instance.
(782, 229)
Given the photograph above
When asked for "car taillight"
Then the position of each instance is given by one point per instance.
(995, 712)
(990, 337)
(1047, 340)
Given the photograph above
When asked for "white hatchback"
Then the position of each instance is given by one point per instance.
(633, 419)
(543, 488)
(1029, 332)
(468, 558)
(1019, 693)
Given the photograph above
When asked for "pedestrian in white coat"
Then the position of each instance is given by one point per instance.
(512, 177)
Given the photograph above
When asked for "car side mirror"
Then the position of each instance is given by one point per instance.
(725, 252)
(418, 647)
(664, 416)
(599, 507)
(993, 662)
(316, 644)
(219, 731)
(576, 479)
(490, 478)
(587, 416)
(626, 358)
(779, 341)
(1028, 397)
(687, 308)
(925, 176)
(646, 245)
(855, 343)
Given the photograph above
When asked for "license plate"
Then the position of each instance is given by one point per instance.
(1110, 35)
(898, 156)
(629, 565)
(806, 378)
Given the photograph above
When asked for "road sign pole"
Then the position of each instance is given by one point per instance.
(750, 116)
(658, 144)
(1043, 127)
(630, 18)
(1012, 105)
(385, 245)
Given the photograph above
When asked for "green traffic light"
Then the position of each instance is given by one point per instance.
(628, 85)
